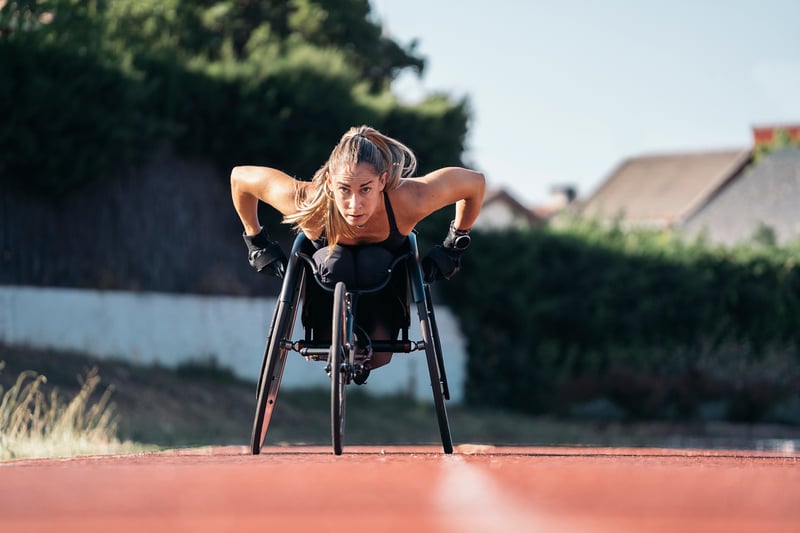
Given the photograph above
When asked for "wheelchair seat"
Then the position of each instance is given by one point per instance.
(384, 301)
(364, 269)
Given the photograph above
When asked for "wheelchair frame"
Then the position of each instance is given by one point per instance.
(345, 352)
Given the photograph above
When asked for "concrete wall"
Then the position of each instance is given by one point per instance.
(168, 329)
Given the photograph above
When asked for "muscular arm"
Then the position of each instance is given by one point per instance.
(249, 184)
(452, 185)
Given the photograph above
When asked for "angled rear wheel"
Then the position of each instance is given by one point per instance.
(269, 381)
(436, 371)
(436, 342)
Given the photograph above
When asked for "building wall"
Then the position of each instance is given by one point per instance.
(498, 216)
(169, 329)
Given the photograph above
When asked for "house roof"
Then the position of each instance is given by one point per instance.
(767, 193)
(663, 189)
(501, 209)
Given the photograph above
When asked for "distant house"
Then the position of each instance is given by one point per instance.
(502, 211)
(662, 190)
(765, 194)
(726, 194)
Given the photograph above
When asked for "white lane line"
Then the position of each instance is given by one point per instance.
(469, 500)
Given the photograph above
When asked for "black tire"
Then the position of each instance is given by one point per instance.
(437, 343)
(437, 385)
(338, 353)
(266, 350)
(271, 372)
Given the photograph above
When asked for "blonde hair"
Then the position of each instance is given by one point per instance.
(317, 210)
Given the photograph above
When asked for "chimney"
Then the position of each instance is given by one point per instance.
(562, 195)
(768, 135)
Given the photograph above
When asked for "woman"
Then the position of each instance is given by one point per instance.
(359, 208)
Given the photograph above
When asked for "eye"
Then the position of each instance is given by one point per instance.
(366, 190)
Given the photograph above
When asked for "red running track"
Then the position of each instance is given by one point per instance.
(405, 489)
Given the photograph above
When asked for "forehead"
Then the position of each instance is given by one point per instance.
(354, 176)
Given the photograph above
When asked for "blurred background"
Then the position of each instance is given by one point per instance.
(562, 92)
(636, 260)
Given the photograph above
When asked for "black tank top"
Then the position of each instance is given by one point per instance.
(395, 240)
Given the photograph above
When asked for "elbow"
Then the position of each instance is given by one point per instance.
(236, 178)
(480, 179)
(480, 185)
(235, 171)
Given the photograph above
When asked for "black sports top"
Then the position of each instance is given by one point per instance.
(394, 242)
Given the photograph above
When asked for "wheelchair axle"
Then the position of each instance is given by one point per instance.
(319, 352)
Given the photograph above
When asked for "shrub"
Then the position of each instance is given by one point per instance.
(39, 425)
(556, 317)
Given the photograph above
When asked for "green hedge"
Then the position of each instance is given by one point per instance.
(104, 84)
(68, 118)
(654, 326)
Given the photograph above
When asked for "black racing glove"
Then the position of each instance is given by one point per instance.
(444, 260)
(265, 255)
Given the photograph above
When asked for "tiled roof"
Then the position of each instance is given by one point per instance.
(663, 190)
(767, 193)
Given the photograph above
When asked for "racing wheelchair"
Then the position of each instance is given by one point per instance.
(343, 345)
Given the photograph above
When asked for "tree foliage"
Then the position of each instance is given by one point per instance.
(96, 85)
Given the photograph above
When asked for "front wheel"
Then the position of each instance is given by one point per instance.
(338, 361)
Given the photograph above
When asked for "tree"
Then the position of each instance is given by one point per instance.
(231, 80)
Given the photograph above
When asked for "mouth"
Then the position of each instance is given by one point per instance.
(355, 219)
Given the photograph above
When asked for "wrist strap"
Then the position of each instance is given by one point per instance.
(457, 231)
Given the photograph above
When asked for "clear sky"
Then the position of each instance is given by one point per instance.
(564, 91)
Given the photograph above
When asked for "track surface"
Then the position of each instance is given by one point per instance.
(477, 489)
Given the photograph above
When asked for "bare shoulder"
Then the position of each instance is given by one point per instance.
(416, 198)
(404, 205)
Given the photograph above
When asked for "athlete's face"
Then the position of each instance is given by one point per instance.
(357, 192)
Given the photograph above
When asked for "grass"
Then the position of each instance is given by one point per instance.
(38, 424)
